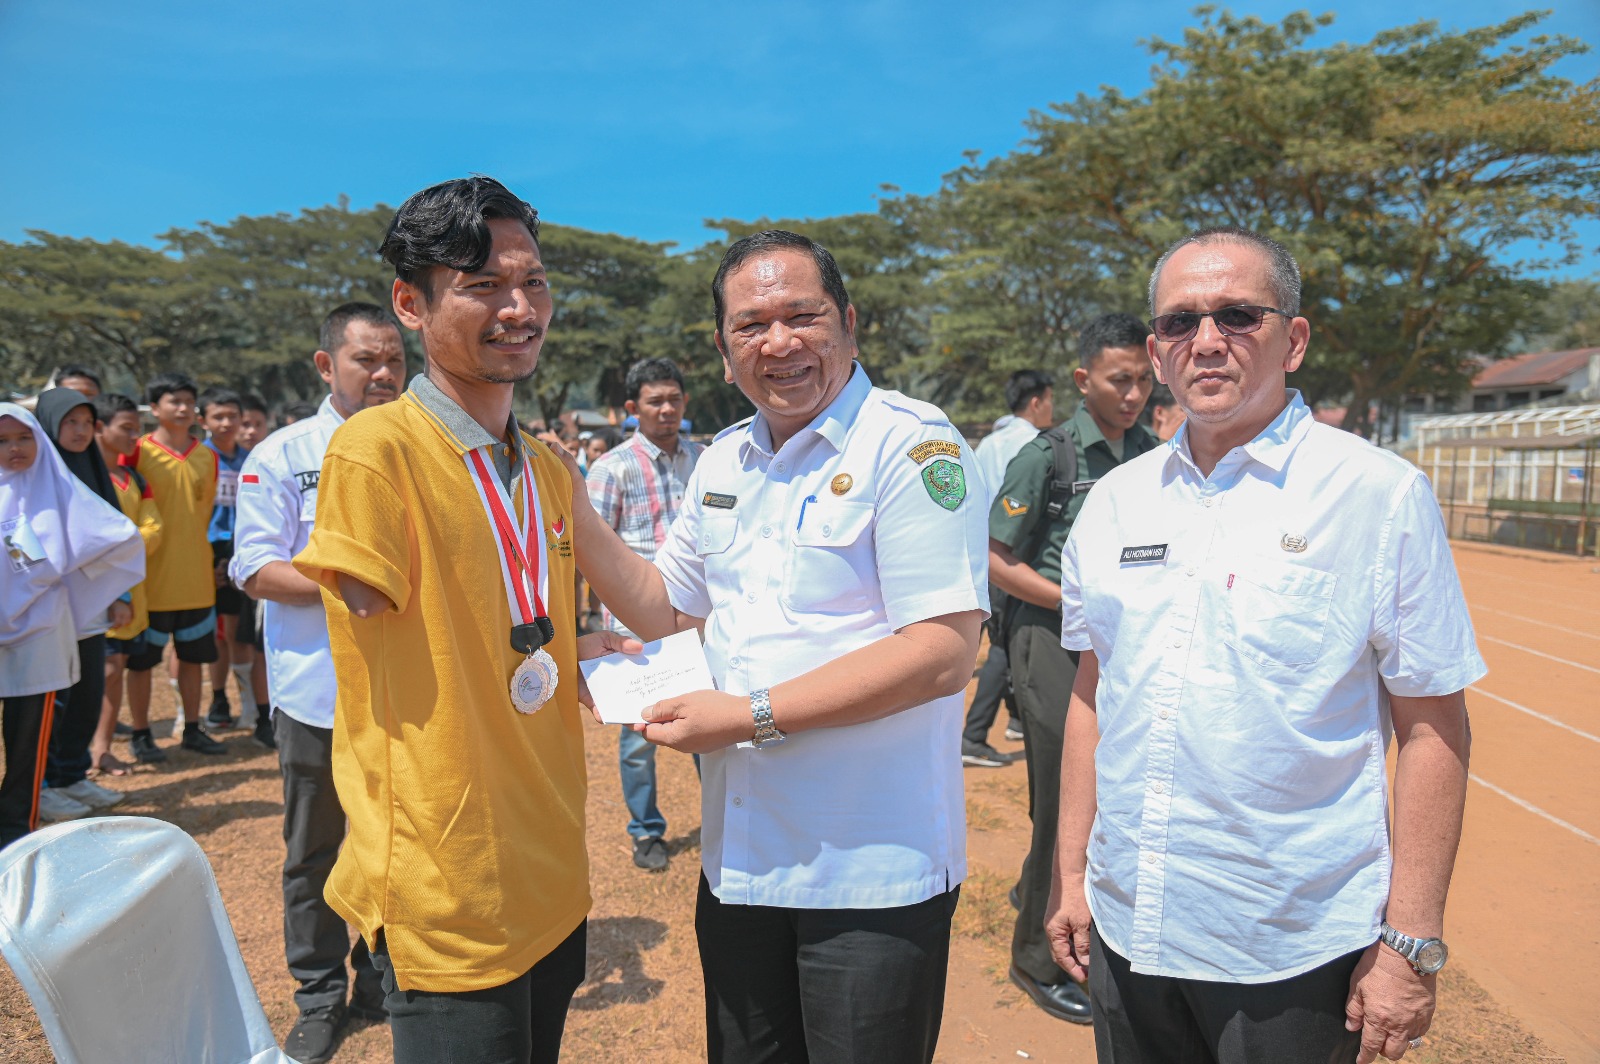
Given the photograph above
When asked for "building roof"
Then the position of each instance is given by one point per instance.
(1538, 367)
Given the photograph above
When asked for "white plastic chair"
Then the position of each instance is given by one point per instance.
(115, 928)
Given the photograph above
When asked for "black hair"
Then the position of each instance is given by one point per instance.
(448, 225)
(331, 336)
(1024, 385)
(220, 397)
(1110, 330)
(108, 405)
(251, 401)
(167, 383)
(772, 240)
(299, 410)
(652, 371)
(1161, 396)
(608, 434)
(73, 369)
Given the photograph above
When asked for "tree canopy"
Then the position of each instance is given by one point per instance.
(1410, 175)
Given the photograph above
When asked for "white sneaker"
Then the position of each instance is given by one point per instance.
(91, 794)
(54, 807)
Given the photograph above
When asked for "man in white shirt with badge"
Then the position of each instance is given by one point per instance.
(830, 551)
(1258, 605)
(362, 359)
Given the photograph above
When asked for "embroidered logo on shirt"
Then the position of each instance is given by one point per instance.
(249, 482)
(928, 448)
(1154, 552)
(1013, 507)
(1293, 544)
(842, 483)
(719, 502)
(560, 526)
(946, 483)
(308, 480)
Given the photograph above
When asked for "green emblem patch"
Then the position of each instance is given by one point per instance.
(946, 483)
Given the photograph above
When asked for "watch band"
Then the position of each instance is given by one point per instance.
(1411, 948)
(767, 733)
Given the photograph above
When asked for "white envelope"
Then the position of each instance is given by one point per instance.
(623, 684)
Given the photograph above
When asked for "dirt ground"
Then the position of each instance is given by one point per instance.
(1524, 884)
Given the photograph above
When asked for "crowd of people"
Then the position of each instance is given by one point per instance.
(1206, 613)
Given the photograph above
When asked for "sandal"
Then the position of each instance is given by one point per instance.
(108, 765)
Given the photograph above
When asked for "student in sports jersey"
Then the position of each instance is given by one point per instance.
(221, 414)
(117, 434)
(68, 557)
(255, 422)
(181, 588)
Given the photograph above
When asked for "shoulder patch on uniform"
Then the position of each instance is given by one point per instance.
(946, 482)
(1013, 507)
(928, 448)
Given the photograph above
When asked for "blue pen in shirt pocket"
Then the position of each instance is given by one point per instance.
(807, 501)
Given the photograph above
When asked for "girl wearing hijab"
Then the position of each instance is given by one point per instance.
(71, 556)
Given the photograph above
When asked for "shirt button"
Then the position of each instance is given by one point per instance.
(1177, 644)
(738, 801)
(1207, 502)
(780, 467)
(1165, 715)
(766, 530)
(734, 662)
(1158, 787)
(827, 530)
(750, 596)
(1191, 570)
(1149, 858)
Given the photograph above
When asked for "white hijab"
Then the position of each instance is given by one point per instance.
(59, 535)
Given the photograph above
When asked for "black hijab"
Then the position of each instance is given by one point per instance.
(51, 410)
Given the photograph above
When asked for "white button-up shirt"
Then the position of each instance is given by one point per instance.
(858, 526)
(996, 450)
(277, 504)
(1241, 830)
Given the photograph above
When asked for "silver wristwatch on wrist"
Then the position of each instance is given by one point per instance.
(767, 733)
(1427, 955)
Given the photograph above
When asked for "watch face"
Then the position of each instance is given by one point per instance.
(1431, 957)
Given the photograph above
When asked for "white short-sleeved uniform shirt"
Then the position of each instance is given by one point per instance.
(858, 526)
(277, 507)
(1248, 626)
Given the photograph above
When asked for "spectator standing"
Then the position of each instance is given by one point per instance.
(362, 359)
(68, 557)
(1033, 512)
(1256, 606)
(1030, 396)
(254, 426)
(116, 435)
(181, 585)
(221, 412)
(637, 489)
(68, 419)
(78, 378)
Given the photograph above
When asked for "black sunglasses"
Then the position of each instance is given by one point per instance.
(1230, 321)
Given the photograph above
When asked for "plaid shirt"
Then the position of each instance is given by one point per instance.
(637, 488)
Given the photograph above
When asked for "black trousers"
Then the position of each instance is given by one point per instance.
(994, 685)
(1155, 1019)
(823, 986)
(517, 1023)
(77, 716)
(25, 726)
(1042, 673)
(315, 938)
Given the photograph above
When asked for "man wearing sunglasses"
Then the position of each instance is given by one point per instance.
(1257, 605)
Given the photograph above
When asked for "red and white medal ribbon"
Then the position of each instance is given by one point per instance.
(523, 570)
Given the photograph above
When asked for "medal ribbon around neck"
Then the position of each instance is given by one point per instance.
(521, 550)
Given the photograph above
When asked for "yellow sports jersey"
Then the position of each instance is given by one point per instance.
(139, 506)
(466, 838)
(180, 573)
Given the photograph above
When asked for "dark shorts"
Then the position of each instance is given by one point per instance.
(229, 598)
(193, 631)
(248, 629)
(133, 648)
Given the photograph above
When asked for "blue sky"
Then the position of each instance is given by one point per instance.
(122, 120)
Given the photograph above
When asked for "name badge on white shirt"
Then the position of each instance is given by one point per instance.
(1150, 554)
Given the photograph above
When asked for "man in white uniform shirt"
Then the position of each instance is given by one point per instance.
(830, 550)
(1259, 604)
(363, 360)
(1030, 396)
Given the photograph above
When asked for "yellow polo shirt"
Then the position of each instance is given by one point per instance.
(466, 838)
(139, 506)
(180, 573)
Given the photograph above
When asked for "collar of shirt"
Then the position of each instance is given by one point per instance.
(463, 433)
(1272, 446)
(833, 424)
(329, 411)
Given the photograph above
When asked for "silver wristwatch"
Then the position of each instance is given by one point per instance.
(767, 733)
(1427, 955)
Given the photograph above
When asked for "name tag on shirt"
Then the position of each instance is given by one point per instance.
(719, 502)
(1081, 486)
(1147, 555)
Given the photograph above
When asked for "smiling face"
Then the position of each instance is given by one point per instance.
(77, 429)
(484, 327)
(18, 447)
(1218, 379)
(784, 342)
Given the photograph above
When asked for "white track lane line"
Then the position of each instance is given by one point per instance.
(1539, 653)
(1534, 713)
(1467, 571)
(1542, 624)
(1530, 807)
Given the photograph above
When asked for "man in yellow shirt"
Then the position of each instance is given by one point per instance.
(180, 588)
(448, 579)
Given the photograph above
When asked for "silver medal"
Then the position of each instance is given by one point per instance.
(534, 682)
